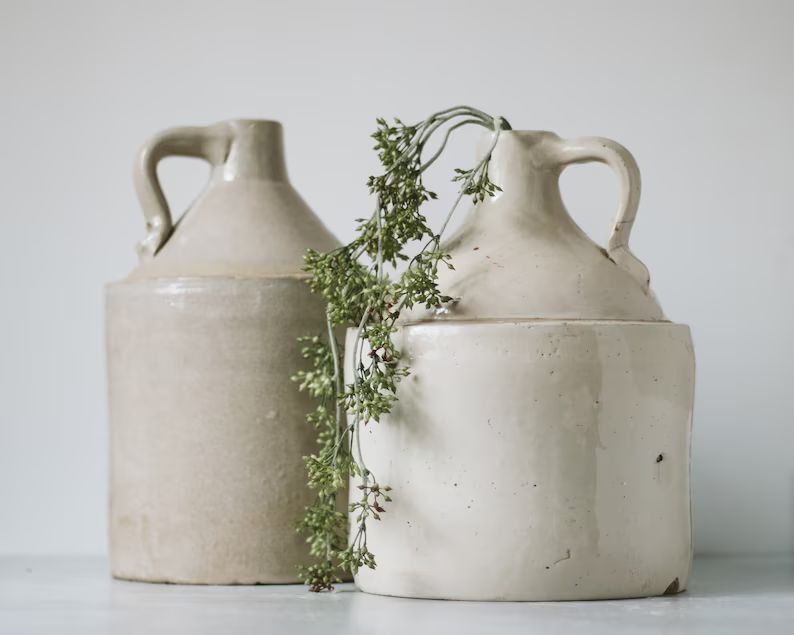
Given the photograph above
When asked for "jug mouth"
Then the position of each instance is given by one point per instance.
(525, 134)
(525, 138)
(250, 123)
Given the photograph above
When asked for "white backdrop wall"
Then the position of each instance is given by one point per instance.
(701, 92)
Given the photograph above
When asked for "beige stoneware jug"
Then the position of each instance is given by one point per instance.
(207, 431)
(540, 448)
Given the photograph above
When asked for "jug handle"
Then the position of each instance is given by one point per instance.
(602, 150)
(210, 143)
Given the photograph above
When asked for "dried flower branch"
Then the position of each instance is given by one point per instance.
(366, 297)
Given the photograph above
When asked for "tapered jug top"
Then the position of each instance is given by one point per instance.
(520, 255)
(248, 222)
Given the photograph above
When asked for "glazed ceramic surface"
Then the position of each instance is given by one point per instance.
(207, 430)
(535, 461)
(539, 449)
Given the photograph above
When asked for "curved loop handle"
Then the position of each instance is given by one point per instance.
(209, 143)
(587, 149)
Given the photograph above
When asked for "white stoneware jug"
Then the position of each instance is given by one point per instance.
(207, 431)
(540, 448)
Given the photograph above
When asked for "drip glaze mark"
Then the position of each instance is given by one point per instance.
(567, 556)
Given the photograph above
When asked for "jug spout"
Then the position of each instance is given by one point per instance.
(247, 222)
(255, 151)
(520, 255)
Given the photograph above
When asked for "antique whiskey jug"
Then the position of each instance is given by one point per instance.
(207, 431)
(541, 444)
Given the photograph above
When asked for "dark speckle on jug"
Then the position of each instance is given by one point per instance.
(672, 588)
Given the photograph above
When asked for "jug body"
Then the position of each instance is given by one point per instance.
(207, 430)
(540, 447)
(535, 461)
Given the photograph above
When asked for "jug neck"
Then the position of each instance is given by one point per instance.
(522, 165)
(254, 150)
